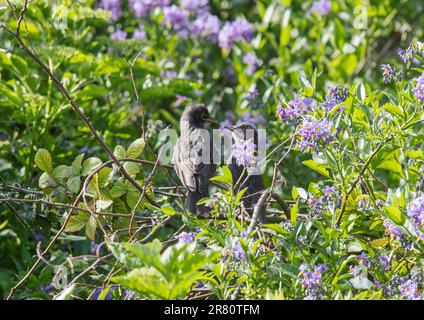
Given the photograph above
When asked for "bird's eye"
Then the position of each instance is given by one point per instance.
(204, 116)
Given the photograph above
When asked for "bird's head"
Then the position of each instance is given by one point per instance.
(196, 115)
(244, 131)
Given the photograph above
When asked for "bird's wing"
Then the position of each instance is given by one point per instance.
(193, 172)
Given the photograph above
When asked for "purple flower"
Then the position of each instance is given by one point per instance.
(169, 74)
(176, 18)
(48, 288)
(312, 135)
(295, 108)
(142, 8)
(185, 237)
(114, 6)
(244, 153)
(238, 253)
(193, 5)
(251, 61)
(395, 233)
(98, 291)
(419, 89)
(384, 261)
(119, 35)
(415, 211)
(211, 202)
(377, 284)
(409, 290)
(391, 74)
(329, 190)
(322, 7)
(252, 95)
(139, 33)
(311, 280)
(354, 270)
(206, 26)
(233, 32)
(364, 260)
(337, 95)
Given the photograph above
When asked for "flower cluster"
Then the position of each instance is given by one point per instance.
(177, 18)
(337, 96)
(114, 6)
(119, 35)
(312, 135)
(253, 100)
(252, 62)
(384, 261)
(416, 213)
(409, 290)
(295, 109)
(418, 90)
(185, 237)
(391, 73)
(311, 280)
(407, 55)
(321, 7)
(395, 233)
(142, 8)
(207, 26)
(244, 153)
(235, 252)
(233, 32)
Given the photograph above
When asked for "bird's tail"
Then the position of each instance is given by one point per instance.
(191, 204)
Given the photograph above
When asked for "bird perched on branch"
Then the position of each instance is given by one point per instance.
(244, 134)
(193, 156)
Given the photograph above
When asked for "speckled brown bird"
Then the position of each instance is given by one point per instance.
(192, 165)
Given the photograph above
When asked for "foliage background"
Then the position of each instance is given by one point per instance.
(299, 53)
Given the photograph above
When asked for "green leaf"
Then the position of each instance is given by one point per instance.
(90, 228)
(132, 168)
(118, 189)
(120, 152)
(391, 165)
(293, 213)
(89, 165)
(76, 164)
(73, 184)
(46, 180)
(136, 148)
(76, 223)
(167, 209)
(43, 160)
(62, 172)
(394, 110)
(320, 168)
(103, 204)
(395, 214)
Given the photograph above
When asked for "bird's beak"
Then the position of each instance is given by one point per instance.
(212, 121)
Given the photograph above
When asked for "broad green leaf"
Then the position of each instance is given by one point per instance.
(62, 172)
(167, 209)
(118, 190)
(89, 165)
(90, 228)
(395, 214)
(391, 165)
(320, 168)
(77, 222)
(136, 148)
(46, 180)
(43, 160)
(293, 213)
(120, 152)
(74, 184)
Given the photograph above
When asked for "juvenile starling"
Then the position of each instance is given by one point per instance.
(193, 157)
(241, 178)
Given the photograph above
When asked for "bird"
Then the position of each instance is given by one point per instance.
(193, 157)
(241, 177)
